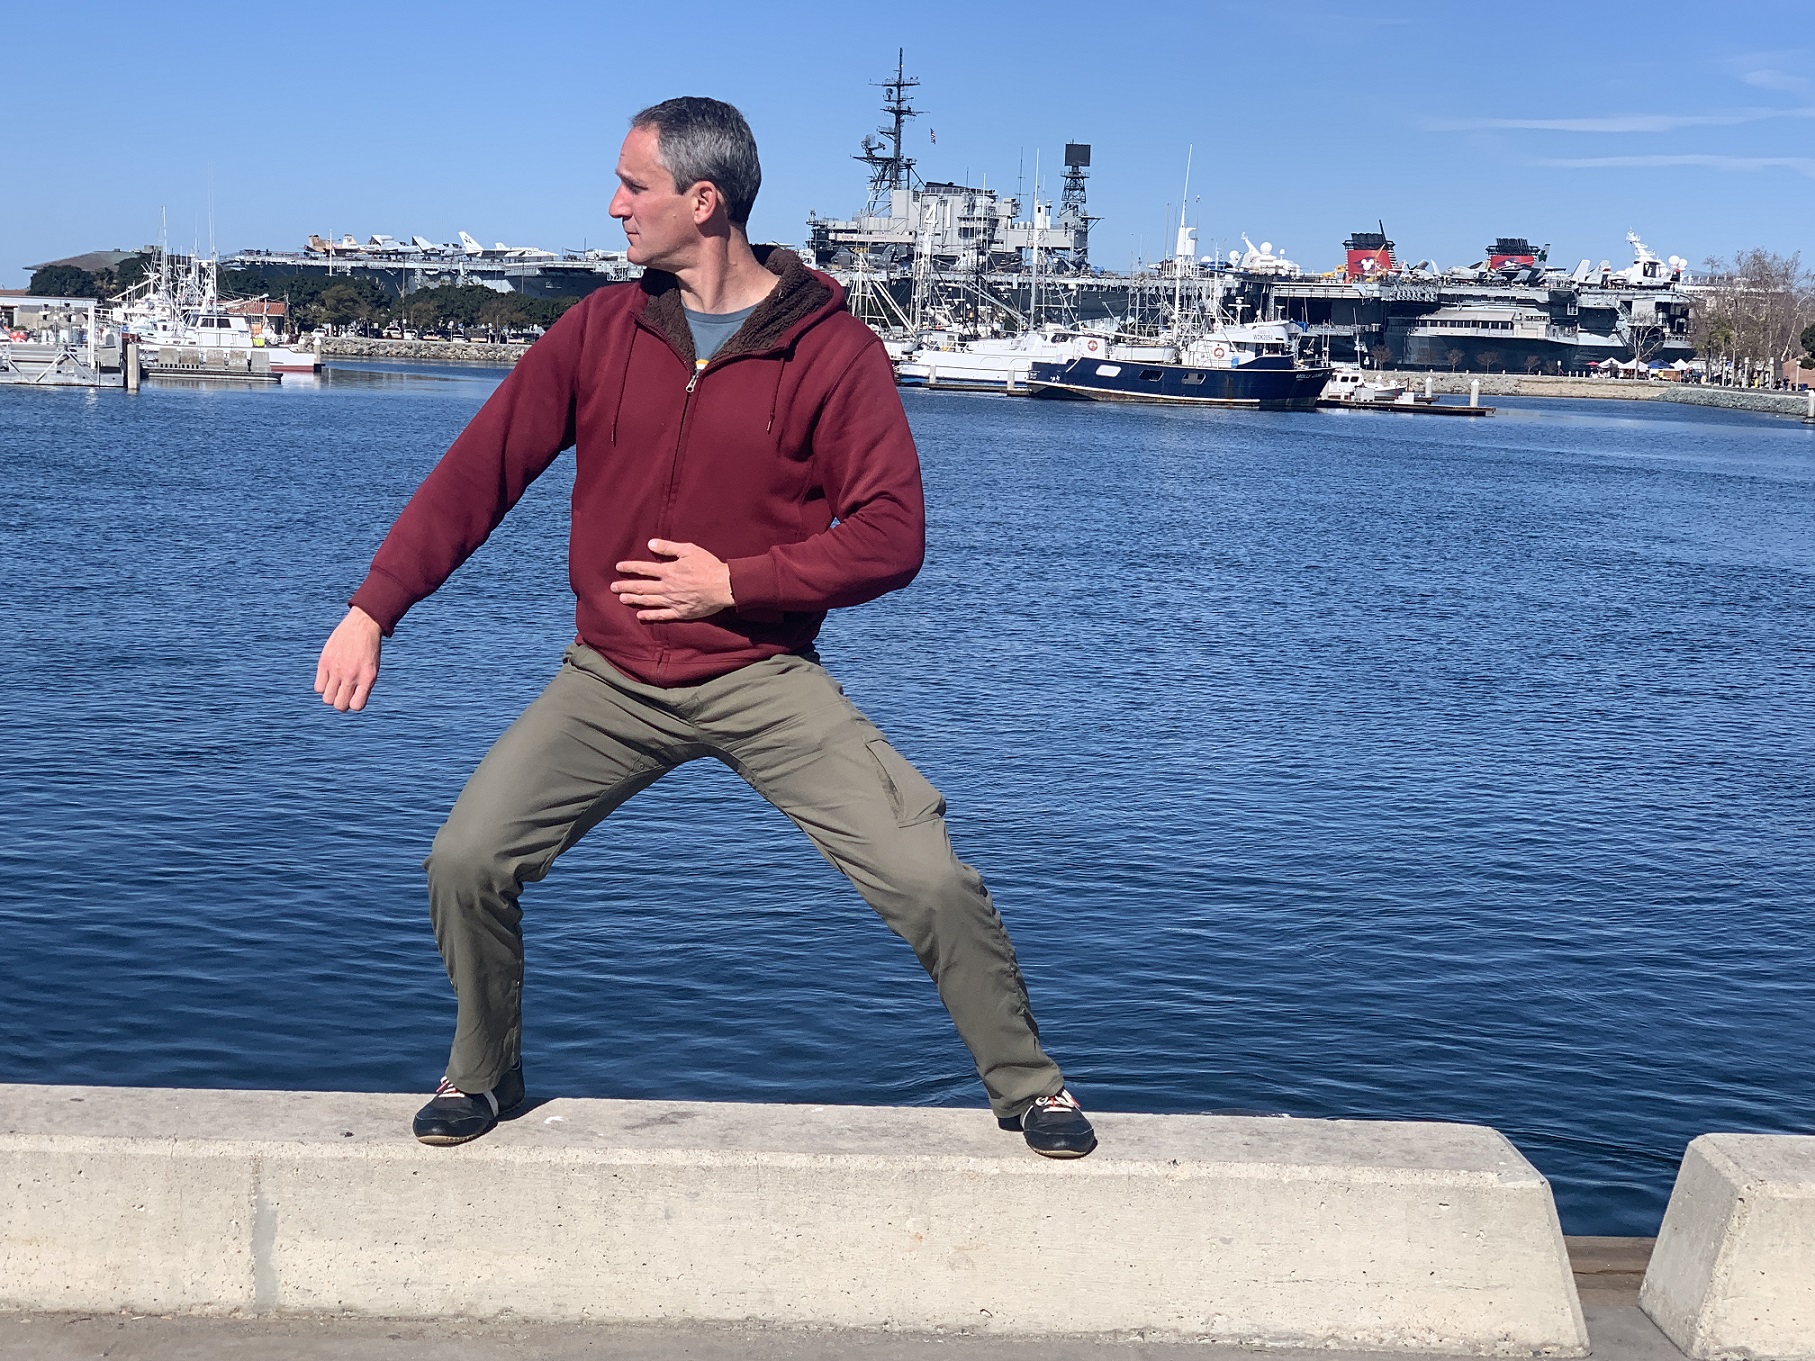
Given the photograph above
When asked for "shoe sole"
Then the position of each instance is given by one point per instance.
(1066, 1152)
(450, 1140)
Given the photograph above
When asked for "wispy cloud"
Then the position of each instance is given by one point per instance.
(1802, 165)
(1620, 123)
(1770, 78)
(1770, 70)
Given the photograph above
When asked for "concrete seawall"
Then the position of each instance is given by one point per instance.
(1349, 1234)
(1614, 389)
(1734, 1270)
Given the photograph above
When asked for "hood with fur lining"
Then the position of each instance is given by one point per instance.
(799, 297)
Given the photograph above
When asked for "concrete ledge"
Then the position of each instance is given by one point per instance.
(1415, 1237)
(1614, 389)
(1733, 1273)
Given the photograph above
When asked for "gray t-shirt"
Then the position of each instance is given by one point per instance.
(713, 329)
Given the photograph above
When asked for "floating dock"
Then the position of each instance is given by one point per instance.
(1404, 408)
(184, 361)
(49, 366)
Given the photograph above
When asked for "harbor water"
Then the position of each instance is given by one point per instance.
(1330, 764)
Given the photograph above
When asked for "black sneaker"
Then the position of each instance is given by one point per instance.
(1055, 1127)
(456, 1117)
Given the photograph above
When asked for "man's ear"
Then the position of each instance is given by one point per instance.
(703, 199)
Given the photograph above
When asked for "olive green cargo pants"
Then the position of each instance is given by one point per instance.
(595, 737)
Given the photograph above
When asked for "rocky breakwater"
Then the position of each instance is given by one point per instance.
(499, 354)
(1615, 389)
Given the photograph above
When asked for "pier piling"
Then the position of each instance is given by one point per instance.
(130, 369)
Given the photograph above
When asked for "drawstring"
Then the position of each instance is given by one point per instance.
(775, 399)
(623, 382)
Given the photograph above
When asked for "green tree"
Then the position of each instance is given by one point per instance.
(303, 289)
(130, 271)
(63, 281)
(342, 304)
(417, 313)
(504, 312)
(545, 312)
(66, 281)
(1808, 340)
(448, 308)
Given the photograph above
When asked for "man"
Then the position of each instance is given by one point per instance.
(743, 465)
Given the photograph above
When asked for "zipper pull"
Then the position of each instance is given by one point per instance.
(699, 367)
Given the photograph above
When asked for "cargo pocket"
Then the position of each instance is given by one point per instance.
(911, 794)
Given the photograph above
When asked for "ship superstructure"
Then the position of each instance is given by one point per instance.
(951, 228)
(1512, 312)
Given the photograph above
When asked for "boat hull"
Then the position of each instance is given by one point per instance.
(286, 360)
(1269, 383)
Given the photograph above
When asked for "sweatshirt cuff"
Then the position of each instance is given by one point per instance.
(382, 598)
(756, 589)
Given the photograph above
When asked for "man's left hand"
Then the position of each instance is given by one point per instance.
(692, 586)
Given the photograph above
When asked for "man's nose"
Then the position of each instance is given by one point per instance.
(619, 207)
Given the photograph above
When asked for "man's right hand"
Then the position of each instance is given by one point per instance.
(348, 668)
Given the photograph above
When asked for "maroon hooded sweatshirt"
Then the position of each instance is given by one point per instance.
(788, 456)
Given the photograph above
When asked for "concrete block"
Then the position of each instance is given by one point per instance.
(1733, 1273)
(1389, 1236)
(148, 1225)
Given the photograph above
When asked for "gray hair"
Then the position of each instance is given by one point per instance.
(707, 139)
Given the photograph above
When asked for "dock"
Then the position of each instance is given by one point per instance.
(63, 349)
(1405, 408)
(59, 366)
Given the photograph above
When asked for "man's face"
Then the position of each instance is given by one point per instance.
(661, 222)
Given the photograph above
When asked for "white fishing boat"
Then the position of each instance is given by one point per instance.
(183, 326)
(1352, 384)
(1003, 363)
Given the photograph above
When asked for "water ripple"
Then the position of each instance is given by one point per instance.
(1326, 765)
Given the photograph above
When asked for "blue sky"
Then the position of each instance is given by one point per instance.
(1693, 124)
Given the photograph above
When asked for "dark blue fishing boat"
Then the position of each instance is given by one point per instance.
(1267, 382)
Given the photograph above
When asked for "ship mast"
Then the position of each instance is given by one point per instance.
(1033, 298)
(889, 168)
(1179, 255)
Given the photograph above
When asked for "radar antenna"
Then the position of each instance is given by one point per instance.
(889, 168)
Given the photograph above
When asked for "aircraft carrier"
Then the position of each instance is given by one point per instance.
(967, 260)
(404, 265)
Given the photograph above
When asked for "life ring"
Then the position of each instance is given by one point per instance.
(1091, 345)
(1217, 352)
